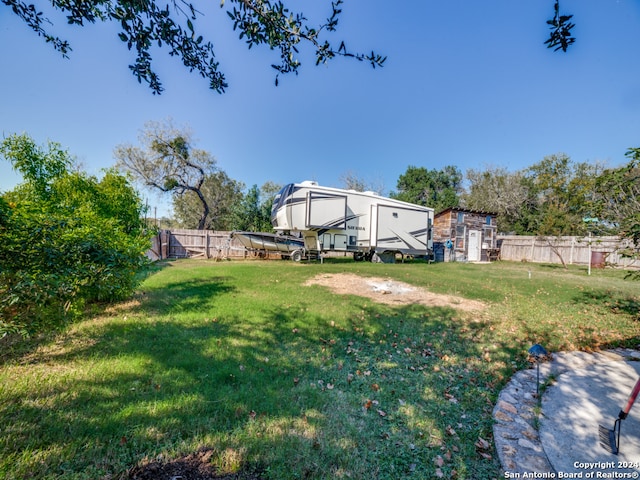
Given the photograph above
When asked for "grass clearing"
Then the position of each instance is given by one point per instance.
(294, 381)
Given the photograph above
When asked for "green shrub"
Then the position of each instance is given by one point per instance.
(66, 239)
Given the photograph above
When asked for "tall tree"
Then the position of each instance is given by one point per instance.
(171, 25)
(352, 181)
(168, 162)
(499, 191)
(563, 190)
(222, 194)
(253, 213)
(438, 189)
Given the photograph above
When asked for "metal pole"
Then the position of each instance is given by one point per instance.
(589, 271)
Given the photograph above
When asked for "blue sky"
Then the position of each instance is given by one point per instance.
(466, 83)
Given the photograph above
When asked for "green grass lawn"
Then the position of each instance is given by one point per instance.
(292, 380)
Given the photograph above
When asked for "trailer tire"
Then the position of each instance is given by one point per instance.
(296, 255)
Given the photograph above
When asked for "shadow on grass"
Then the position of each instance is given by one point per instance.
(15, 346)
(296, 387)
(379, 394)
(196, 295)
(614, 303)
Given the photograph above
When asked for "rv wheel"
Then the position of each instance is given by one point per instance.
(296, 255)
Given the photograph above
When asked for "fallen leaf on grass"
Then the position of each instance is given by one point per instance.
(482, 444)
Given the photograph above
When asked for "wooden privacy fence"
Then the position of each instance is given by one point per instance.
(574, 250)
(183, 243)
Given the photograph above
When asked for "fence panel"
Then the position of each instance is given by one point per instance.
(186, 243)
(574, 250)
(182, 243)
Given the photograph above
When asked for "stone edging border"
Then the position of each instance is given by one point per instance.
(515, 430)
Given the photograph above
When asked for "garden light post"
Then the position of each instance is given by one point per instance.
(537, 352)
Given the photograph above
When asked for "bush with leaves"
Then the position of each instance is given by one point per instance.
(617, 203)
(67, 238)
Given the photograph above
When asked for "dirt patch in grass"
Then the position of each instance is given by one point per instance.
(196, 466)
(391, 292)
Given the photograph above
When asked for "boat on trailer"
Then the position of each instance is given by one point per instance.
(264, 242)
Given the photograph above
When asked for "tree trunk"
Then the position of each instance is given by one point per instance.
(202, 223)
(555, 250)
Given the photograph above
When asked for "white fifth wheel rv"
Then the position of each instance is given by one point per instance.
(367, 224)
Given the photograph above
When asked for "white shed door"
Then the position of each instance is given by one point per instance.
(475, 241)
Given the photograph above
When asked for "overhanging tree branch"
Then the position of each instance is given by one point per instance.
(146, 24)
(560, 37)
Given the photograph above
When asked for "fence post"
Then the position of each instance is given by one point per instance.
(533, 246)
(164, 243)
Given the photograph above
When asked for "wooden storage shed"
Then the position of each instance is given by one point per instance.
(465, 235)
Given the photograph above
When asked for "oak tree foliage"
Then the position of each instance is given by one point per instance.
(438, 189)
(560, 25)
(146, 24)
(499, 191)
(172, 25)
(221, 193)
